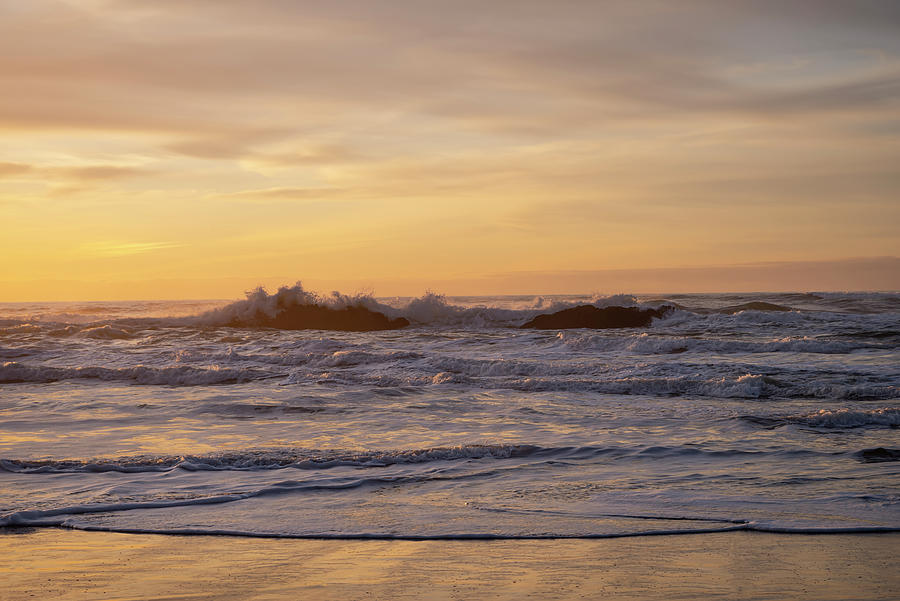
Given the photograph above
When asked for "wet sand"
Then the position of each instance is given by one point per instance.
(73, 565)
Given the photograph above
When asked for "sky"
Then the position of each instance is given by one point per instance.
(172, 149)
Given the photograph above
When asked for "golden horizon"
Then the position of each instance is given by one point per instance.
(197, 148)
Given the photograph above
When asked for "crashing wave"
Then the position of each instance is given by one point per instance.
(293, 308)
(284, 308)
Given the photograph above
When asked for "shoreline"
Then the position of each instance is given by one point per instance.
(80, 565)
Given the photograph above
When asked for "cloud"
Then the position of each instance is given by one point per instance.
(309, 154)
(13, 169)
(283, 194)
(94, 173)
(226, 145)
(119, 249)
(77, 174)
(225, 71)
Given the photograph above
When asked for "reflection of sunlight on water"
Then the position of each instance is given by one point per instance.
(10, 439)
(181, 435)
(169, 444)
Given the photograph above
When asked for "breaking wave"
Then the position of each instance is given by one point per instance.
(319, 459)
(356, 369)
(266, 459)
(429, 309)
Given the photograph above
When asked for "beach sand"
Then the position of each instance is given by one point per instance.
(73, 565)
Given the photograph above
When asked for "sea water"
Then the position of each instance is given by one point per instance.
(775, 412)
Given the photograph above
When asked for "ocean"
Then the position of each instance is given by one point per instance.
(769, 412)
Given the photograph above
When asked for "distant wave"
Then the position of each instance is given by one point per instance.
(410, 370)
(834, 418)
(347, 365)
(650, 344)
(747, 386)
(312, 353)
(14, 372)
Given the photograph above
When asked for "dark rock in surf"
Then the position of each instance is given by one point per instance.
(317, 317)
(878, 454)
(589, 316)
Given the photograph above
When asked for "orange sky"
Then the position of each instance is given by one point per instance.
(174, 149)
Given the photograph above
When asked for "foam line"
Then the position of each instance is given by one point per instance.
(476, 536)
(312, 459)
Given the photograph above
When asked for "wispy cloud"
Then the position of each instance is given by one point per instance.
(282, 194)
(14, 169)
(84, 173)
(93, 173)
(110, 248)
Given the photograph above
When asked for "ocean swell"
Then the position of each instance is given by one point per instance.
(14, 372)
(322, 459)
(267, 459)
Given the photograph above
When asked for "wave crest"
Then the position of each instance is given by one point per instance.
(262, 459)
(294, 308)
(260, 308)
